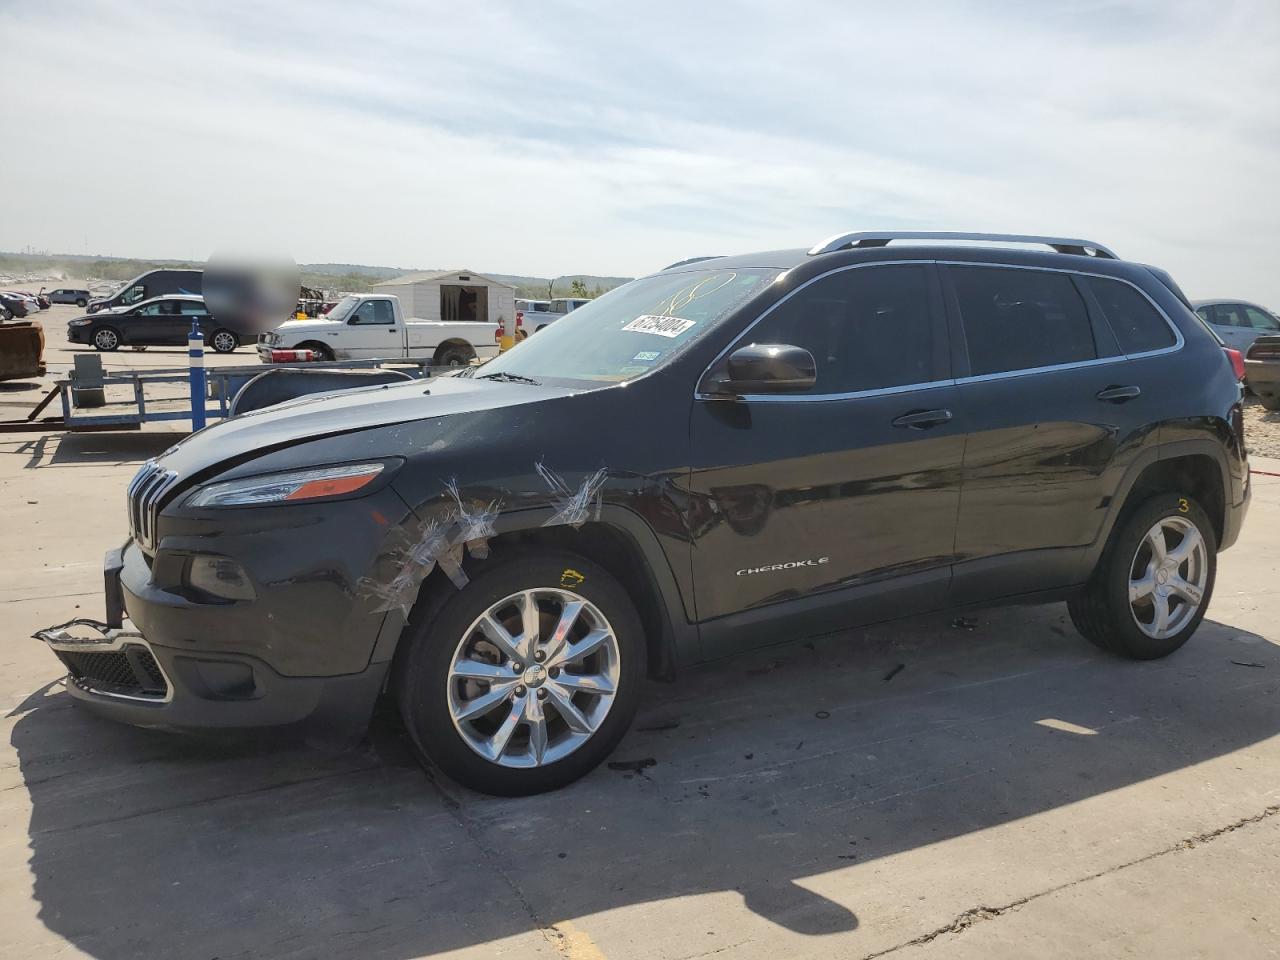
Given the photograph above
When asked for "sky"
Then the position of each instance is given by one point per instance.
(610, 138)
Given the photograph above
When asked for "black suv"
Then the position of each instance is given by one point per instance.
(728, 453)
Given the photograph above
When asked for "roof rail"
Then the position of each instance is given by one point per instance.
(682, 263)
(873, 238)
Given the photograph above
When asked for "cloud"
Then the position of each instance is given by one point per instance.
(583, 137)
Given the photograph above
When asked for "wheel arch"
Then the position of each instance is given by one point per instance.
(322, 348)
(1195, 467)
(620, 542)
(450, 344)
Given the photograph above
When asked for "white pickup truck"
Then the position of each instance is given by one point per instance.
(372, 326)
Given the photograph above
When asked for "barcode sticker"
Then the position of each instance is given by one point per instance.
(670, 327)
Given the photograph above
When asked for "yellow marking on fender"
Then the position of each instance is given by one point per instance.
(575, 943)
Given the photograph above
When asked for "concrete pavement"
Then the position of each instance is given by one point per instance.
(1009, 791)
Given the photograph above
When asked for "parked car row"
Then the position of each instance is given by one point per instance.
(17, 303)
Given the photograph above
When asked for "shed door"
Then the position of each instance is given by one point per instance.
(466, 304)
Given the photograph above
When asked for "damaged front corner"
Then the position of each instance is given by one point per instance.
(415, 560)
(465, 528)
(573, 507)
(475, 525)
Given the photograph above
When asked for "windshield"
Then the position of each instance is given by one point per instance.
(343, 308)
(632, 329)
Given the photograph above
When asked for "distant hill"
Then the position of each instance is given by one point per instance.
(345, 277)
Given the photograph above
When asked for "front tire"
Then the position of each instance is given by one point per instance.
(224, 341)
(527, 678)
(321, 350)
(1154, 582)
(106, 339)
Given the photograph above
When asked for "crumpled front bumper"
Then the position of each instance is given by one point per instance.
(118, 672)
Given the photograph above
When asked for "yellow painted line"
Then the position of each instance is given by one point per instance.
(576, 943)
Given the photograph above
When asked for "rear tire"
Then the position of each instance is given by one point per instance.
(106, 339)
(1269, 402)
(82, 302)
(1134, 605)
(441, 636)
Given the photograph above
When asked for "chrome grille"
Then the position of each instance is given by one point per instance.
(146, 491)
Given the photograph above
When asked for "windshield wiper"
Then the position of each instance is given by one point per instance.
(509, 377)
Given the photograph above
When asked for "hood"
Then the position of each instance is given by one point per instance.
(347, 411)
(311, 323)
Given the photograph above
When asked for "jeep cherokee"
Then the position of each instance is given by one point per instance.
(729, 452)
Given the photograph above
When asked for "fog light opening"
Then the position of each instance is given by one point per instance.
(220, 577)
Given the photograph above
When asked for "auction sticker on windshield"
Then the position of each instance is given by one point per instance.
(670, 327)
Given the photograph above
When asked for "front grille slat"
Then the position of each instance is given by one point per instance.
(146, 493)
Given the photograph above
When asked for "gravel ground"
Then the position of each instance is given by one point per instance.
(1261, 428)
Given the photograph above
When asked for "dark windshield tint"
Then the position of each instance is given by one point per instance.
(632, 329)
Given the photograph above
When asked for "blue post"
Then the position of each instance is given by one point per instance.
(195, 362)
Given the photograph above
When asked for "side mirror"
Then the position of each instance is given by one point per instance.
(769, 368)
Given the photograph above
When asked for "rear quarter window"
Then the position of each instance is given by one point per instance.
(1137, 324)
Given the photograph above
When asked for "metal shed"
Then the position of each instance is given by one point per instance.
(452, 295)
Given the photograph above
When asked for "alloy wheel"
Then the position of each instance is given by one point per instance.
(224, 342)
(106, 340)
(1167, 577)
(533, 678)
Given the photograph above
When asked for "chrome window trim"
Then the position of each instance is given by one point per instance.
(1179, 340)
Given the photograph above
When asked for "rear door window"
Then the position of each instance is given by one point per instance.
(869, 328)
(1228, 315)
(1261, 320)
(1017, 319)
(1137, 324)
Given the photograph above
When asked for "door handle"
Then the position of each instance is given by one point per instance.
(922, 419)
(1115, 394)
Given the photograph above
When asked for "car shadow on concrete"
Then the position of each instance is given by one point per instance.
(767, 770)
(93, 449)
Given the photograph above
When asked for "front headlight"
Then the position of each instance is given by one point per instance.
(290, 487)
(83, 321)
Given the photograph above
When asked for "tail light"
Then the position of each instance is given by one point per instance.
(1264, 350)
(519, 318)
(1237, 361)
